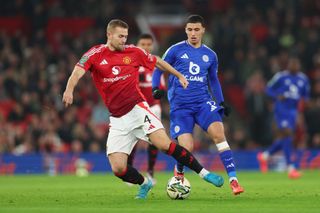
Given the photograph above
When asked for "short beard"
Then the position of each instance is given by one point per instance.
(118, 48)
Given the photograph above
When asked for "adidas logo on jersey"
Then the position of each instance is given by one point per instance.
(185, 56)
(103, 62)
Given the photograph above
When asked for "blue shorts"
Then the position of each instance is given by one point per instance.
(182, 120)
(286, 119)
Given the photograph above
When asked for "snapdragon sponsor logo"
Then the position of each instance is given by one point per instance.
(118, 78)
(195, 78)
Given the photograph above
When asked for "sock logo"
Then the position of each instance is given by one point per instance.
(191, 159)
(183, 153)
(231, 165)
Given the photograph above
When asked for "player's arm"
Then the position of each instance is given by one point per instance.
(76, 74)
(163, 65)
(157, 93)
(271, 88)
(215, 87)
(214, 83)
(169, 57)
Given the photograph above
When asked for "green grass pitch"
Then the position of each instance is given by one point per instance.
(272, 192)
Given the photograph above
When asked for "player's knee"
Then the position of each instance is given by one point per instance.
(187, 146)
(160, 140)
(164, 147)
(118, 170)
(285, 133)
(216, 132)
(218, 137)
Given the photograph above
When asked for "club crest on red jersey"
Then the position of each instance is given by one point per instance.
(126, 60)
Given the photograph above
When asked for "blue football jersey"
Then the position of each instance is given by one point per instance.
(293, 87)
(200, 67)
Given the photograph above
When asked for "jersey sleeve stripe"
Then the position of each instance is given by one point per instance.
(94, 51)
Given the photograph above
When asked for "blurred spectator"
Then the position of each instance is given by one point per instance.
(258, 109)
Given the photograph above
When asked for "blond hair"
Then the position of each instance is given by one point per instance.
(116, 23)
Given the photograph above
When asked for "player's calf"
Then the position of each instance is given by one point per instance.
(130, 175)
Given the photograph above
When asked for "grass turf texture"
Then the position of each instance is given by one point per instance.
(272, 192)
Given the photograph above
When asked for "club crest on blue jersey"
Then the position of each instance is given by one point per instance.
(205, 58)
(177, 129)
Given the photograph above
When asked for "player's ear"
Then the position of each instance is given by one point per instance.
(109, 35)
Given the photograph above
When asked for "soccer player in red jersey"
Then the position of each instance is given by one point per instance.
(145, 41)
(114, 67)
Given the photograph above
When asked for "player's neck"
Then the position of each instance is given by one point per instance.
(195, 45)
(111, 48)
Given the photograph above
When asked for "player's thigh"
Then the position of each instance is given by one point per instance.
(181, 122)
(118, 161)
(186, 140)
(208, 114)
(160, 139)
(286, 122)
(148, 123)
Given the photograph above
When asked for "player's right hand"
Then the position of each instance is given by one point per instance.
(183, 81)
(226, 109)
(67, 98)
(157, 93)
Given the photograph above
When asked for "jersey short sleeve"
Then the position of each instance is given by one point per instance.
(87, 59)
(169, 55)
(146, 59)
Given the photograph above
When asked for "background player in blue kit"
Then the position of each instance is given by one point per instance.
(286, 89)
(202, 102)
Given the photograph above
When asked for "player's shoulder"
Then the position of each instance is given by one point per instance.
(177, 46)
(282, 74)
(302, 76)
(134, 48)
(209, 50)
(173, 49)
(94, 50)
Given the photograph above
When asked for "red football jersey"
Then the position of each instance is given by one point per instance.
(115, 74)
(145, 83)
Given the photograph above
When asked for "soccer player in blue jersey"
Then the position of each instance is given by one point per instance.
(286, 89)
(202, 102)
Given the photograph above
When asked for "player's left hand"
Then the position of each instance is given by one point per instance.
(226, 109)
(183, 81)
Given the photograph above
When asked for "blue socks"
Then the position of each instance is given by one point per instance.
(228, 162)
(286, 145)
(276, 146)
(287, 149)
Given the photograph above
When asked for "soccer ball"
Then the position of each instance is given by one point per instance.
(178, 190)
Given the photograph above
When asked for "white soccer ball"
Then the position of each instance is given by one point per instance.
(178, 190)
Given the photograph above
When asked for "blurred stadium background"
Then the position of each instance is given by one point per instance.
(40, 42)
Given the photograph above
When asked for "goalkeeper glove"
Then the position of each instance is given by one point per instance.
(226, 109)
(157, 93)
